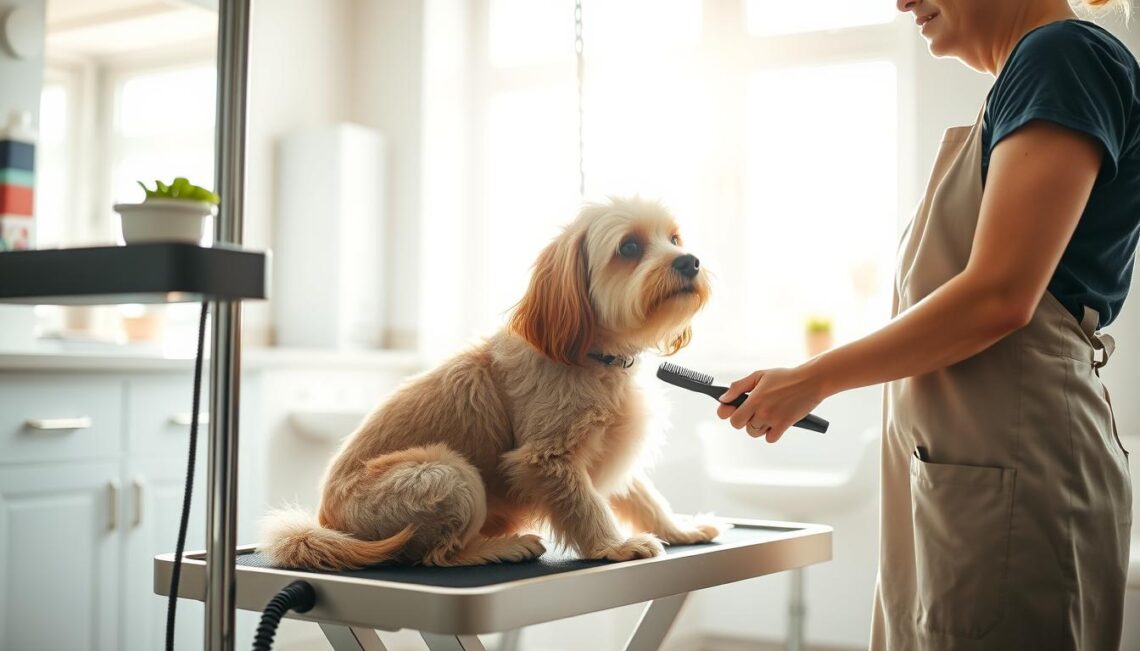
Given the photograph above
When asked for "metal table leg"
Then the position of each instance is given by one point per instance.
(655, 623)
(510, 640)
(225, 361)
(797, 610)
(352, 638)
(453, 642)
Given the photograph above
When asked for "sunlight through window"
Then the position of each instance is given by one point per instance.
(821, 199)
(771, 17)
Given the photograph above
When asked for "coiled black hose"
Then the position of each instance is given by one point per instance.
(180, 547)
(298, 596)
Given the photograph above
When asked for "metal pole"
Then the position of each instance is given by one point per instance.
(225, 360)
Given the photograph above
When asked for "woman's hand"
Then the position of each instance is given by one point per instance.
(778, 398)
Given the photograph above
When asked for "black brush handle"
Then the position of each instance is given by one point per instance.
(810, 422)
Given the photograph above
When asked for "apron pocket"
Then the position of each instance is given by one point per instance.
(962, 518)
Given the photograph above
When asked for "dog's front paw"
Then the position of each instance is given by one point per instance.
(516, 549)
(531, 547)
(700, 529)
(642, 545)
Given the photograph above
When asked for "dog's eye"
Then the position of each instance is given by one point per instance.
(629, 249)
(675, 240)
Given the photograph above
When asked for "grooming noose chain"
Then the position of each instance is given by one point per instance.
(581, 61)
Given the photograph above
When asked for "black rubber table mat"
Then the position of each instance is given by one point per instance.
(554, 561)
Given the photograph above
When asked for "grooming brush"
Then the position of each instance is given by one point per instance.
(702, 383)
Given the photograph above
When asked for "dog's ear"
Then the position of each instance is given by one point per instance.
(555, 315)
(677, 343)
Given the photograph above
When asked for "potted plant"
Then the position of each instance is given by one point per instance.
(170, 213)
(818, 335)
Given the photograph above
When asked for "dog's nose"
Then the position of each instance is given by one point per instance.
(687, 265)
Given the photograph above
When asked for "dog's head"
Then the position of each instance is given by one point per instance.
(617, 280)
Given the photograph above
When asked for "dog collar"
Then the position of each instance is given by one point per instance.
(623, 361)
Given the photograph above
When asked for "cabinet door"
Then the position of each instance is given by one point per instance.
(59, 566)
(154, 489)
(153, 484)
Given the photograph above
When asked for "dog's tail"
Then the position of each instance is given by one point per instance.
(293, 538)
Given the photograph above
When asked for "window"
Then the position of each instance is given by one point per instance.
(53, 164)
(771, 131)
(772, 17)
(59, 185)
(162, 127)
(160, 124)
(821, 187)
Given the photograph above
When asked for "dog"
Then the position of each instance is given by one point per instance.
(540, 424)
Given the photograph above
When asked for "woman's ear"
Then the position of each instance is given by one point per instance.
(555, 315)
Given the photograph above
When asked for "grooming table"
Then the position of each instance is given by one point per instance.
(450, 606)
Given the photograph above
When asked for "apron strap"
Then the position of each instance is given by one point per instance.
(1104, 343)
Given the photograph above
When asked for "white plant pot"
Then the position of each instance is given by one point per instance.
(163, 220)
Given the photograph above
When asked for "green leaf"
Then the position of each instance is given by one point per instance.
(180, 188)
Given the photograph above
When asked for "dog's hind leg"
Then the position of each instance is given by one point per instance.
(433, 489)
(482, 551)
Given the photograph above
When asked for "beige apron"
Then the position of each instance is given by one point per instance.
(1006, 500)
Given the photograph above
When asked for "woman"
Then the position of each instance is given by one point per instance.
(1006, 501)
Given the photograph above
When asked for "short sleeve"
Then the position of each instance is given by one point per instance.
(1069, 75)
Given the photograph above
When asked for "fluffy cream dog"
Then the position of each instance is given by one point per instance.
(540, 424)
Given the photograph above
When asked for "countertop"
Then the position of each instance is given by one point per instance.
(57, 356)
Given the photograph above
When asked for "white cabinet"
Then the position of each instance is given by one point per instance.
(59, 547)
(81, 524)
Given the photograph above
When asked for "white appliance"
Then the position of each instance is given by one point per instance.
(327, 285)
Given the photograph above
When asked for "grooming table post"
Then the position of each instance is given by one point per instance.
(352, 638)
(655, 623)
(510, 640)
(225, 360)
(452, 642)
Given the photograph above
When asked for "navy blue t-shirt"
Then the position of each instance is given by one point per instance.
(1076, 74)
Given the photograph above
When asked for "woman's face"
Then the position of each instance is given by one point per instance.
(951, 27)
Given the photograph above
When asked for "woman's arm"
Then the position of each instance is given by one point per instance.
(1039, 181)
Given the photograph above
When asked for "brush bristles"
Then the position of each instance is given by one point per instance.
(689, 374)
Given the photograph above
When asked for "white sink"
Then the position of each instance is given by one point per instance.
(325, 425)
(782, 479)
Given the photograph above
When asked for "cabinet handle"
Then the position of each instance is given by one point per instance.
(46, 424)
(183, 419)
(137, 487)
(113, 496)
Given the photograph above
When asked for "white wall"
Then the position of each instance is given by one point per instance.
(299, 76)
(314, 63)
(20, 79)
(386, 94)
